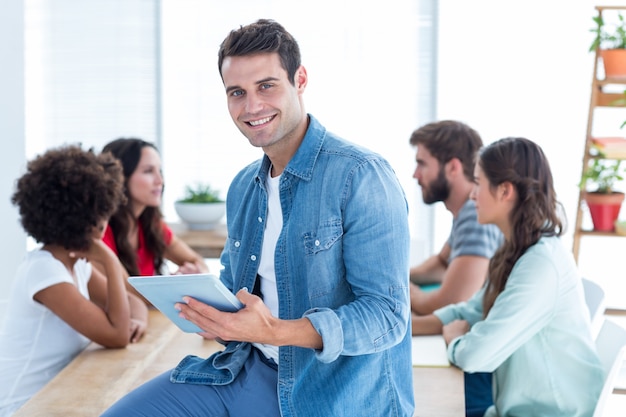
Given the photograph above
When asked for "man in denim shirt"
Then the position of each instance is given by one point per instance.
(318, 232)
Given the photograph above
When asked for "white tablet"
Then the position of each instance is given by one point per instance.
(163, 291)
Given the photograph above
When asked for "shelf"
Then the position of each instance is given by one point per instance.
(606, 93)
(607, 158)
(598, 233)
(594, 156)
(208, 243)
(603, 99)
(610, 81)
(610, 8)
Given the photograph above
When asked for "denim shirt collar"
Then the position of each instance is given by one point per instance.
(302, 163)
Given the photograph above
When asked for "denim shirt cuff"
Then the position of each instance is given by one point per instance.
(328, 325)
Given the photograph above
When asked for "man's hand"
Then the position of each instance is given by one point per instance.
(253, 323)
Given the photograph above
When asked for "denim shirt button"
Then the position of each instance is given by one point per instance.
(253, 257)
(317, 243)
(237, 244)
(260, 219)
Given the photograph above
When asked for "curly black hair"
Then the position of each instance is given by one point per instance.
(65, 192)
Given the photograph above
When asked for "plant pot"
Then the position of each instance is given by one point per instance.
(604, 209)
(200, 216)
(614, 61)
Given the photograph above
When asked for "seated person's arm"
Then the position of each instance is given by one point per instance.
(429, 324)
(129, 288)
(188, 260)
(432, 269)
(138, 317)
(138, 308)
(103, 318)
(463, 277)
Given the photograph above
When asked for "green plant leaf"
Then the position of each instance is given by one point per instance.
(608, 36)
(200, 193)
(603, 174)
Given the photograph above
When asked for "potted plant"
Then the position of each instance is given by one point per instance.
(604, 202)
(610, 42)
(201, 208)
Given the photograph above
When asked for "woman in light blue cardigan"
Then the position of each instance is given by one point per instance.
(529, 324)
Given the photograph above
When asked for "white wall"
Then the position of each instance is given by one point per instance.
(508, 71)
(506, 68)
(350, 90)
(523, 69)
(366, 85)
(13, 242)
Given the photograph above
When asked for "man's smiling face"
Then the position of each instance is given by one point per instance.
(264, 105)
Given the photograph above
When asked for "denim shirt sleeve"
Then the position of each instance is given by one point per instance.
(324, 319)
(375, 246)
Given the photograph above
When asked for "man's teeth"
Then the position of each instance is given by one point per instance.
(260, 122)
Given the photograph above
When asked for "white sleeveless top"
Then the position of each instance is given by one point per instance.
(35, 344)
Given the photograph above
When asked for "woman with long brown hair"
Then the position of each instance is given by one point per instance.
(529, 324)
(137, 232)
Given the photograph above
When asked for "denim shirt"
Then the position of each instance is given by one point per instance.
(342, 261)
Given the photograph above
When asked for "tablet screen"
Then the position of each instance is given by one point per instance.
(163, 291)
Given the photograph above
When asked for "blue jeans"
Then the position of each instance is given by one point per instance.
(478, 393)
(252, 393)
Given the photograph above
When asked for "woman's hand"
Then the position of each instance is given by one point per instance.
(97, 252)
(455, 329)
(188, 268)
(137, 329)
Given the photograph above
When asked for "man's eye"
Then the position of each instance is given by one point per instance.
(266, 86)
(237, 93)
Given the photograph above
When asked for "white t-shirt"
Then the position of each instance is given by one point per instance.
(273, 226)
(35, 344)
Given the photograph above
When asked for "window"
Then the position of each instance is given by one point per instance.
(91, 73)
(103, 69)
(370, 80)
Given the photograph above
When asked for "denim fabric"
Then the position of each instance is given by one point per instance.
(160, 398)
(342, 261)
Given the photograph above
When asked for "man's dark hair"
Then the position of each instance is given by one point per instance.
(262, 36)
(449, 139)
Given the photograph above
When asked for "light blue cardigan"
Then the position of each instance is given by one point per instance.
(536, 338)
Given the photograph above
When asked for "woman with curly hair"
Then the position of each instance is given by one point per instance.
(59, 302)
(529, 324)
(137, 232)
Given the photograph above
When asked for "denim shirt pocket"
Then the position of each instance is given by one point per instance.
(323, 249)
(323, 238)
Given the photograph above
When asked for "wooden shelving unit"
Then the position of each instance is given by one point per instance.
(601, 96)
